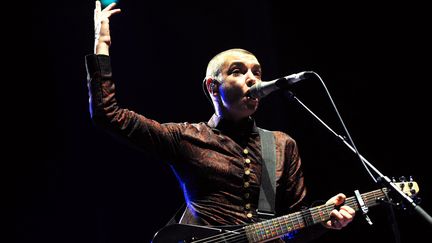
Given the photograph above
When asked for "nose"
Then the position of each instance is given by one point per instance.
(251, 79)
(250, 82)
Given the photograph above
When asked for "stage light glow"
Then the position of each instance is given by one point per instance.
(184, 189)
(107, 2)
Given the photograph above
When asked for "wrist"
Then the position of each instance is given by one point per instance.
(101, 47)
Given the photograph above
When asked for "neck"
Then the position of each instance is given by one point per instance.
(231, 118)
(224, 114)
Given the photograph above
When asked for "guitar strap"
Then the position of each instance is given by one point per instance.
(267, 195)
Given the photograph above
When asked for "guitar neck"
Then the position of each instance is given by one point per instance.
(279, 226)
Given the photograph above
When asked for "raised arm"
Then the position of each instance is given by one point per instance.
(161, 140)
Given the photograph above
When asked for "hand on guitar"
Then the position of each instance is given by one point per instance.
(339, 217)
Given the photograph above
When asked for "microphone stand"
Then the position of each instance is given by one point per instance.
(381, 178)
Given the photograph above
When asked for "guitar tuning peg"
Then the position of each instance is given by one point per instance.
(402, 179)
(410, 183)
(393, 179)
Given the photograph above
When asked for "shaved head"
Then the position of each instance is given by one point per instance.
(216, 63)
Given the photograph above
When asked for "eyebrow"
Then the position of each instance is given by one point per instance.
(242, 64)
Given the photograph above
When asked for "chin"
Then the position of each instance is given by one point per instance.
(244, 110)
(251, 108)
(250, 111)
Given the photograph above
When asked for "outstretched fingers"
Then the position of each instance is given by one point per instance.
(112, 12)
(110, 6)
(108, 11)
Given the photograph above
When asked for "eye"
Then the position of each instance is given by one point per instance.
(257, 73)
(236, 72)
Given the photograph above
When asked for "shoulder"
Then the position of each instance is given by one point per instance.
(282, 137)
(188, 127)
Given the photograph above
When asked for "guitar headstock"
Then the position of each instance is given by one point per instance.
(410, 187)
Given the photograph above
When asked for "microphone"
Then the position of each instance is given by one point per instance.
(262, 89)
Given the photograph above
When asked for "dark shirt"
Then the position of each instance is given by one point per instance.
(217, 162)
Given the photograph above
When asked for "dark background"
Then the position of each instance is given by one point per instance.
(79, 184)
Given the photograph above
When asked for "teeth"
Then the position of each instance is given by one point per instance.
(250, 98)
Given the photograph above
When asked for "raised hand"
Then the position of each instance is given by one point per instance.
(101, 27)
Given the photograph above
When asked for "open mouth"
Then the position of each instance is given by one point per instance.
(249, 98)
(247, 95)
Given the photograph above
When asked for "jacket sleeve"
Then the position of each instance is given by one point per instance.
(160, 140)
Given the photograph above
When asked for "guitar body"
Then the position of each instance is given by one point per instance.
(176, 233)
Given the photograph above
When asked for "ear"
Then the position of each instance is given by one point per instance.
(212, 86)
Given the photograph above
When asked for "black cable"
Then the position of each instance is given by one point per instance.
(344, 127)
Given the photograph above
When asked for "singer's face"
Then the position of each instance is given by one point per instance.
(239, 72)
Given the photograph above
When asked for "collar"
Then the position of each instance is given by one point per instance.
(245, 126)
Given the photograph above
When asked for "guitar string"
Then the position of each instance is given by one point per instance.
(239, 238)
(231, 236)
(369, 198)
(242, 237)
(299, 215)
(236, 238)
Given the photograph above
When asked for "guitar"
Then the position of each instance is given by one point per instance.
(273, 228)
